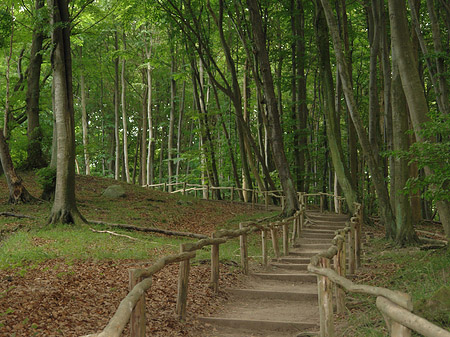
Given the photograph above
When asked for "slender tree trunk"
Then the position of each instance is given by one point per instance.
(275, 133)
(35, 158)
(372, 157)
(405, 232)
(84, 120)
(124, 116)
(64, 208)
(180, 125)
(171, 120)
(143, 145)
(151, 142)
(412, 87)
(7, 116)
(116, 109)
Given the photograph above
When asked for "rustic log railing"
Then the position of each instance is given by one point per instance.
(396, 307)
(253, 195)
(132, 307)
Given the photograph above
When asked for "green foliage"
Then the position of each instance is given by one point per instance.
(435, 156)
(46, 177)
(5, 26)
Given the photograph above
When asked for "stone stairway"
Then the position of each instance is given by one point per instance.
(280, 300)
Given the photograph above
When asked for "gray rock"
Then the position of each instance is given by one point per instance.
(114, 192)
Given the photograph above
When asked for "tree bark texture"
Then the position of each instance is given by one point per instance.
(35, 158)
(64, 207)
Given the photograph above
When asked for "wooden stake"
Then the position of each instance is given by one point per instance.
(266, 199)
(232, 194)
(264, 247)
(351, 249)
(325, 290)
(340, 270)
(215, 267)
(183, 282)
(137, 318)
(285, 239)
(321, 203)
(276, 249)
(244, 253)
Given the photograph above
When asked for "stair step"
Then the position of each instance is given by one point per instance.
(273, 294)
(290, 266)
(312, 245)
(260, 324)
(297, 277)
(316, 235)
(293, 259)
(303, 240)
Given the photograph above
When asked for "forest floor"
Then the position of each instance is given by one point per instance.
(68, 280)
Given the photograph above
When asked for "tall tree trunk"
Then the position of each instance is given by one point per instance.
(7, 114)
(64, 208)
(405, 232)
(151, 141)
(275, 133)
(84, 119)
(143, 145)
(332, 125)
(171, 119)
(116, 109)
(17, 191)
(124, 116)
(35, 158)
(372, 157)
(412, 88)
(180, 125)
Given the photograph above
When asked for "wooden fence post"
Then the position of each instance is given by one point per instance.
(165, 187)
(215, 267)
(137, 318)
(351, 248)
(274, 233)
(207, 191)
(285, 239)
(357, 241)
(264, 247)
(294, 231)
(253, 198)
(183, 282)
(339, 267)
(266, 199)
(321, 203)
(244, 252)
(232, 194)
(325, 290)
(184, 188)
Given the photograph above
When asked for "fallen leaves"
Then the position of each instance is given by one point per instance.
(61, 298)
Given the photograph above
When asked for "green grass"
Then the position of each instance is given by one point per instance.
(418, 273)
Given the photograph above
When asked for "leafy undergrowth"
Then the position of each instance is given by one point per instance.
(420, 273)
(68, 280)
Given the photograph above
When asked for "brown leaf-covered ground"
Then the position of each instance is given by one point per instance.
(73, 298)
(56, 298)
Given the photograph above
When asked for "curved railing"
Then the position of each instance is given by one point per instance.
(396, 307)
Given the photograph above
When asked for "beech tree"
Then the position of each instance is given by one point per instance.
(64, 208)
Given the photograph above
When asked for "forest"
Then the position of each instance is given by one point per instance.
(350, 97)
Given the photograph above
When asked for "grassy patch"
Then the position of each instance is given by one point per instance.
(411, 270)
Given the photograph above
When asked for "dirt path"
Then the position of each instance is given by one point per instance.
(280, 300)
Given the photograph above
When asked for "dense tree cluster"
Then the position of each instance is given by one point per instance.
(324, 95)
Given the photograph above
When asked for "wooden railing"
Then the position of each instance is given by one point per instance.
(253, 195)
(396, 307)
(132, 307)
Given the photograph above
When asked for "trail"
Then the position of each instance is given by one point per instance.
(280, 300)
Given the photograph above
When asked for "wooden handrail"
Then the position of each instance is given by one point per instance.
(395, 306)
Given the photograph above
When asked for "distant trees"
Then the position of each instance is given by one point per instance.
(249, 94)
